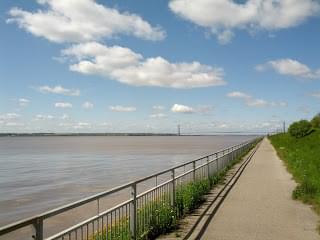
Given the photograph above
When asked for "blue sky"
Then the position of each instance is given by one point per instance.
(147, 65)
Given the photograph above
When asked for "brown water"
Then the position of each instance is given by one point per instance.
(40, 173)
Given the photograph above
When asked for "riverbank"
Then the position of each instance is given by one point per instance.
(302, 158)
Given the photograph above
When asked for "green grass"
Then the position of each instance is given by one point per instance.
(190, 196)
(163, 218)
(302, 158)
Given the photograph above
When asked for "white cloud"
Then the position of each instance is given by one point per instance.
(222, 17)
(124, 65)
(255, 102)
(87, 105)
(40, 117)
(225, 37)
(290, 67)
(81, 21)
(59, 90)
(23, 102)
(14, 124)
(237, 94)
(315, 94)
(82, 125)
(10, 120)
(158, 108)
(75, 125)
(9, 116)
(222, 126)
(178, 108)
(63, 105)
(119, 108)
(158, 112)
(158, 115)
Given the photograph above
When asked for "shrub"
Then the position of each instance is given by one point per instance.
(315, 122)
(300, 129)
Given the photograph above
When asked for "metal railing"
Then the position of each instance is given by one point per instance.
(132, 218)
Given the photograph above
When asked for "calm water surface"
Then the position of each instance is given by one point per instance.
(40, 173)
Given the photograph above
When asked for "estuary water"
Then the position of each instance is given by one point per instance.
(41, 173)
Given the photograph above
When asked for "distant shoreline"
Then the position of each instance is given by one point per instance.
(81, 134)
(117, 134)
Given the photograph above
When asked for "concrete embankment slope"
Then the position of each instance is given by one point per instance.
(260, 205)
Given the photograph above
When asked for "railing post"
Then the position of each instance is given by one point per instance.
(98, 214)
(173, 189)
(38, 225)
(217, 159)
(232, 154)
(237, 150)
(98, 206)
(208, 167)
(194, 170)
(133, 212)
(223, 158)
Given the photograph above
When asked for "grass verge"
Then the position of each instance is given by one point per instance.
(302, 158)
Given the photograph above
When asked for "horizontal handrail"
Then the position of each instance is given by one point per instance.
(185, 164)
(54, 212)
(184, 174)
(154, 188)
(83, 223)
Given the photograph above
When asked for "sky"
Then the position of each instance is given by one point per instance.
(149, 65)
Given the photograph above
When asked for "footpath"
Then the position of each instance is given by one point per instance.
(260, 206)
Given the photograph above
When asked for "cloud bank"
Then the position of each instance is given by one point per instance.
(126, 66)
(85, 23)
(119, 108)
(179, 108)
(63, 105)
(222, 17)
(59, 90)
(255, 102)
(23, 102)
(81, 21)
(290, 67)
